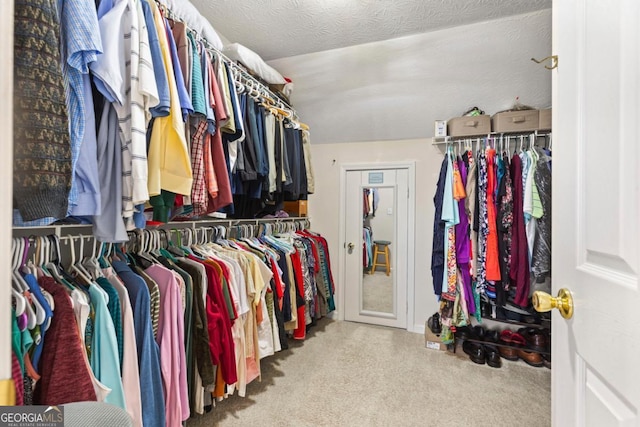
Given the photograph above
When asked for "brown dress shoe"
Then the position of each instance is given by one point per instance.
(531, 358)
(537, 339)
(508, 353)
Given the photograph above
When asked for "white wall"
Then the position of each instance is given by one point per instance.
(395, 89)
(324, 204)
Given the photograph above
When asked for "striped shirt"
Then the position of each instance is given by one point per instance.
(141, 94)
(124, 74)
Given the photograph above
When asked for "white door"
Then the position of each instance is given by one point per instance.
(596, 215)
(376, 296)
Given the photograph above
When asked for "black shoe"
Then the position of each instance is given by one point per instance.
(493, 356)
(434, 324)
(478, 332)
(492, 335)
(464, 333)
(475, 351)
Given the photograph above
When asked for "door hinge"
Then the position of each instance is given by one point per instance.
(407, 193)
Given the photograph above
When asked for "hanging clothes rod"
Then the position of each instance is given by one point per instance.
(493, 135)
(86, 229)
(44, 246)
(169, 14)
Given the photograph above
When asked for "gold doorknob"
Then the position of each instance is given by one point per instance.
(544, 302)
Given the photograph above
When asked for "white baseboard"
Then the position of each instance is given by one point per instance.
(418, 328)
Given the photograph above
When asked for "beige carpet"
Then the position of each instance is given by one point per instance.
(350, 374)
(377, 292)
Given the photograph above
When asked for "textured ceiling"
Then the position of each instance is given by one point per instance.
(283, 28)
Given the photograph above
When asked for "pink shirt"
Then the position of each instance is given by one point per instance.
(170, 339)
(130, 372)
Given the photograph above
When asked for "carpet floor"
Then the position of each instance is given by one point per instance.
(350, 374)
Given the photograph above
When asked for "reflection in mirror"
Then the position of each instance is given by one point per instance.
(377, 235)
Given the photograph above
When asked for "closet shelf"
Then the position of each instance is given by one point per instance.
(439, 140)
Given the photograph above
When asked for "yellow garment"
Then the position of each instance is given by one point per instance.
(168, 157)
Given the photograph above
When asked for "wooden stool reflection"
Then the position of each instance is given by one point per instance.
(381, 248)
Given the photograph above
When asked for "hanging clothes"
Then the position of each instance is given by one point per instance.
(62, 361)
(519, 268)
(541, 263)
(505, 224)
(437, 251)
(42, 158)
(463, 242)
(502, 235)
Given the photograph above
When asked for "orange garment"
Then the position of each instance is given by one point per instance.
(493, 256)
(31, 372)
(218, 391)
(259, 315)
(459, 192)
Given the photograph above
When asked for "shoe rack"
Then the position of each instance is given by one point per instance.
(495, 334)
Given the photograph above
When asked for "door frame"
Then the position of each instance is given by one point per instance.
(7, 395)
(410, 166)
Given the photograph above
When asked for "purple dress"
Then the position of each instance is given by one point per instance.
(463, 243)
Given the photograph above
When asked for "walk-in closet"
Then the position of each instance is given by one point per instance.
(319, 213)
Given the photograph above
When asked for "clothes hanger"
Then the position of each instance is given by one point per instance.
(21, 252)
(189, 241)
(165, 250)
(43, 258)
(73, 267)
(40, 312)
(20, 300)
(27, 263)
(521, 143)
(79, 263)
(42, 270)
(91, 263)
(103, 260)
(19, 284)
(53, 263)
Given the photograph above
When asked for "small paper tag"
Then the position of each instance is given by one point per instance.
(433, 345)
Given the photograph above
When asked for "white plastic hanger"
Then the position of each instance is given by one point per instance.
(20, 301)
(53, 267)
(19, 285)
(40, 313)
(74, 267)
(91, 262)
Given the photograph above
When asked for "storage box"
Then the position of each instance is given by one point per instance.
(469, 125)
(515, 121)
(298, 208)
(545, 119)
(432, 341)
